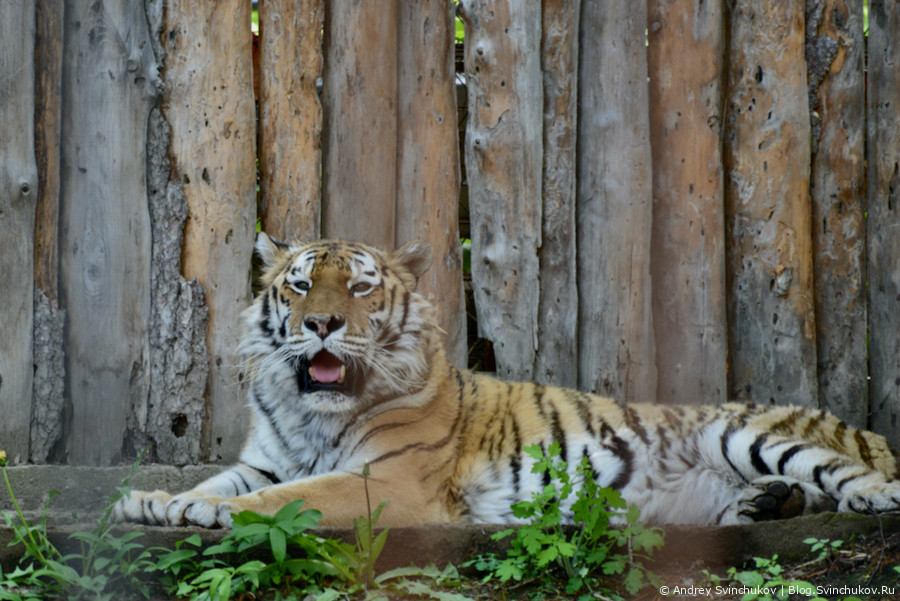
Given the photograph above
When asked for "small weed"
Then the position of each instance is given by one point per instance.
(826, 549)
(235, 565)
(768, 581)
(589, 548)
(107, 564)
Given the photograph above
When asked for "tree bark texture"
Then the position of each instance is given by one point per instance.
(688, 247)
(835, 49)
(557, 354)
(18, 199)
(360, 138)
(616, 350)
(290, 118)
(209, 106)
(503, 165)
(884, 218)
(428, 159)
(772, 338)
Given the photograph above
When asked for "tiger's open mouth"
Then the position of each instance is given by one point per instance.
(325, 372)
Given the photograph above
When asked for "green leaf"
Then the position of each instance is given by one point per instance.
(175, 558)
(750, 578)
(508, 570)
(378, 545)
(287, 513)
(278, 542)
(634, 581)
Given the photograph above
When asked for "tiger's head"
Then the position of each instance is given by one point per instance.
(338, 325)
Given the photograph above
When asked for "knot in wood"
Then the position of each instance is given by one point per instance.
(784, 277)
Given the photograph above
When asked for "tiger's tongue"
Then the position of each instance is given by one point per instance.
(326, 368)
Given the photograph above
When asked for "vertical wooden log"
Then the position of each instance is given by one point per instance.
(360, 138)
(18, 194)
(883, 221)
(503, 166)
(290, 118)
(49, 317)
(688, 244)
(172, 419)
(428, 159)
(108, 85)
(835, 49)
(770, 313)
(616, 351)
(48, 85)
(209, 105)
(557, 356)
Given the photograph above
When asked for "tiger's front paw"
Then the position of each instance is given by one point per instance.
(878, 498)
(143, 507)
(196, 509)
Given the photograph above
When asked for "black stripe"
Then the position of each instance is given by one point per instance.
(264, 322)
(663, 441)
(755, 458)
(515, 464)
(817, 476)
(839, 430)
(545, 478)
(405, 310)
(583, 405)
(865, 453)
(244, 484)
(420, 446)
(670, 418)
(267, 412)
(515, 461)
(633, 422)
(847, 480)
(787, 455)
(270, 476)
(594, 472)
(726, 436)
(558, 435)
(430, 407)
(623, 452)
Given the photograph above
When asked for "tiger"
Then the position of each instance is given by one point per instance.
(348, 373)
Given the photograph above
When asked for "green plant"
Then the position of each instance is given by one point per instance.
(107, 565)
(583, 550)
(356, 563)
(767, 579)
(233, 566)
(826, 549)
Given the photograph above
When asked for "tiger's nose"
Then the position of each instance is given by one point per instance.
(323, 325)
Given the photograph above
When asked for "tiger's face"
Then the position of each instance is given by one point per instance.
(338, 325)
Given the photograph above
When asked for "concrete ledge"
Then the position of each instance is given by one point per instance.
(83, 490)
(686, 548)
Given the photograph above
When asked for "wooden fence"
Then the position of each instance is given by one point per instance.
(685, 204)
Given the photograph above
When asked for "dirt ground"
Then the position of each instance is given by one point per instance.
(863, 568)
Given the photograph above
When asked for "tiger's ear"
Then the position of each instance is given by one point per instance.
(415, 256)
(270, 250)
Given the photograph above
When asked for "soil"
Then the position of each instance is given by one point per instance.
(862, 568)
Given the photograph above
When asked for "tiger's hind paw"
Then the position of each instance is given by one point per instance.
(878, 498)
(776, 498)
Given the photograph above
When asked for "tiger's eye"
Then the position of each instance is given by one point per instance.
(360, 288)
